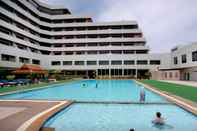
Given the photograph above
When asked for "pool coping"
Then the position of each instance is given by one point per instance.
(32, 108)
(35, 123)
(179, 101)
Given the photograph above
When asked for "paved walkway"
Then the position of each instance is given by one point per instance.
(15, 113)
(189, 83)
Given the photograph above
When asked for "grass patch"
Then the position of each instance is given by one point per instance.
(184, 91)
(18, 88)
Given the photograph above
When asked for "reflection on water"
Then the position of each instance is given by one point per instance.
(163, 126)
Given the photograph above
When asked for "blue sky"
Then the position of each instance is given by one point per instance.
(165, 23)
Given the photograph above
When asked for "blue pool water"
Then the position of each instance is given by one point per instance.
(106, 90)
(109, 117)
(112, 117)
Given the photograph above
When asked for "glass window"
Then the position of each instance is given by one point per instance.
(103, 62)
(67, 62)
(91, 62)
(170, 75)
(104, 52)
(54, 63)
(23, 60)
(129, 62)
(79, 62)
(155, 62)
(142, 62)
(10, 58)
(37, 62)
(175, 60)
(116, 62)
(184, 58)
(194, 56)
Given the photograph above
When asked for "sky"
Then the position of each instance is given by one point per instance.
(164, 23)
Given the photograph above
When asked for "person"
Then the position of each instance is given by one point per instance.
(132, 129)
(142, 95)
(83, 85)
(96, 85)
(158, 120)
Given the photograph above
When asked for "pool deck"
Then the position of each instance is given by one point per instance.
(185, 104)
(187, 83)
(27, 115)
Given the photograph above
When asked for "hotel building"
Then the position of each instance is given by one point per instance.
(35, 33)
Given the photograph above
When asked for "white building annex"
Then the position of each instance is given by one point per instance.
(32, 32)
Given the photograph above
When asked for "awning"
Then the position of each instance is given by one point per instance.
(28, 69)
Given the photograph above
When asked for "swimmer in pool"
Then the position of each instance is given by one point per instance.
(158, 120)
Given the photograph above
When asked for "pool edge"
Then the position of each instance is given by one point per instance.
(36, 122)
(172, 98)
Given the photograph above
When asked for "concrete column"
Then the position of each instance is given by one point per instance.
(109, 73)
(96, 72)
(136, 73)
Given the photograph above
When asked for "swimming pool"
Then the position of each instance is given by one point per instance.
(116, 117)
(90, 90)
(109, 117)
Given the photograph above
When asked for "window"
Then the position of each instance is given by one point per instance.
(6, 42)
(155, 62)
(67, 62)
(57, 53)
(37, 62)
(128, 52)
(10, 58)
(92, 52)
(170, 74)
(194, 56)
(55, 63)
(141, 51)
(184, 58)
(103, 62)
(79, 62)
(92, 44)
(69, 45)
(129, 62)
(116, 52)
(116, 44)
(116, 62)
(69, 53)
(176, 75)
(23, 60)
(20, 36)
(80, 52)
(166, 75)
(80, 45)
(103, 44)
(142, 62)
(104, 52)
(91, 63)
(4, 30)
(175, 60)
(5, 18)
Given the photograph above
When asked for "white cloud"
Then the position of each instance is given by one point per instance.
(165, 23)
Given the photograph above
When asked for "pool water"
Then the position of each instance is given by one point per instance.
(90, 90)
(109, 117)
(115, 117)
